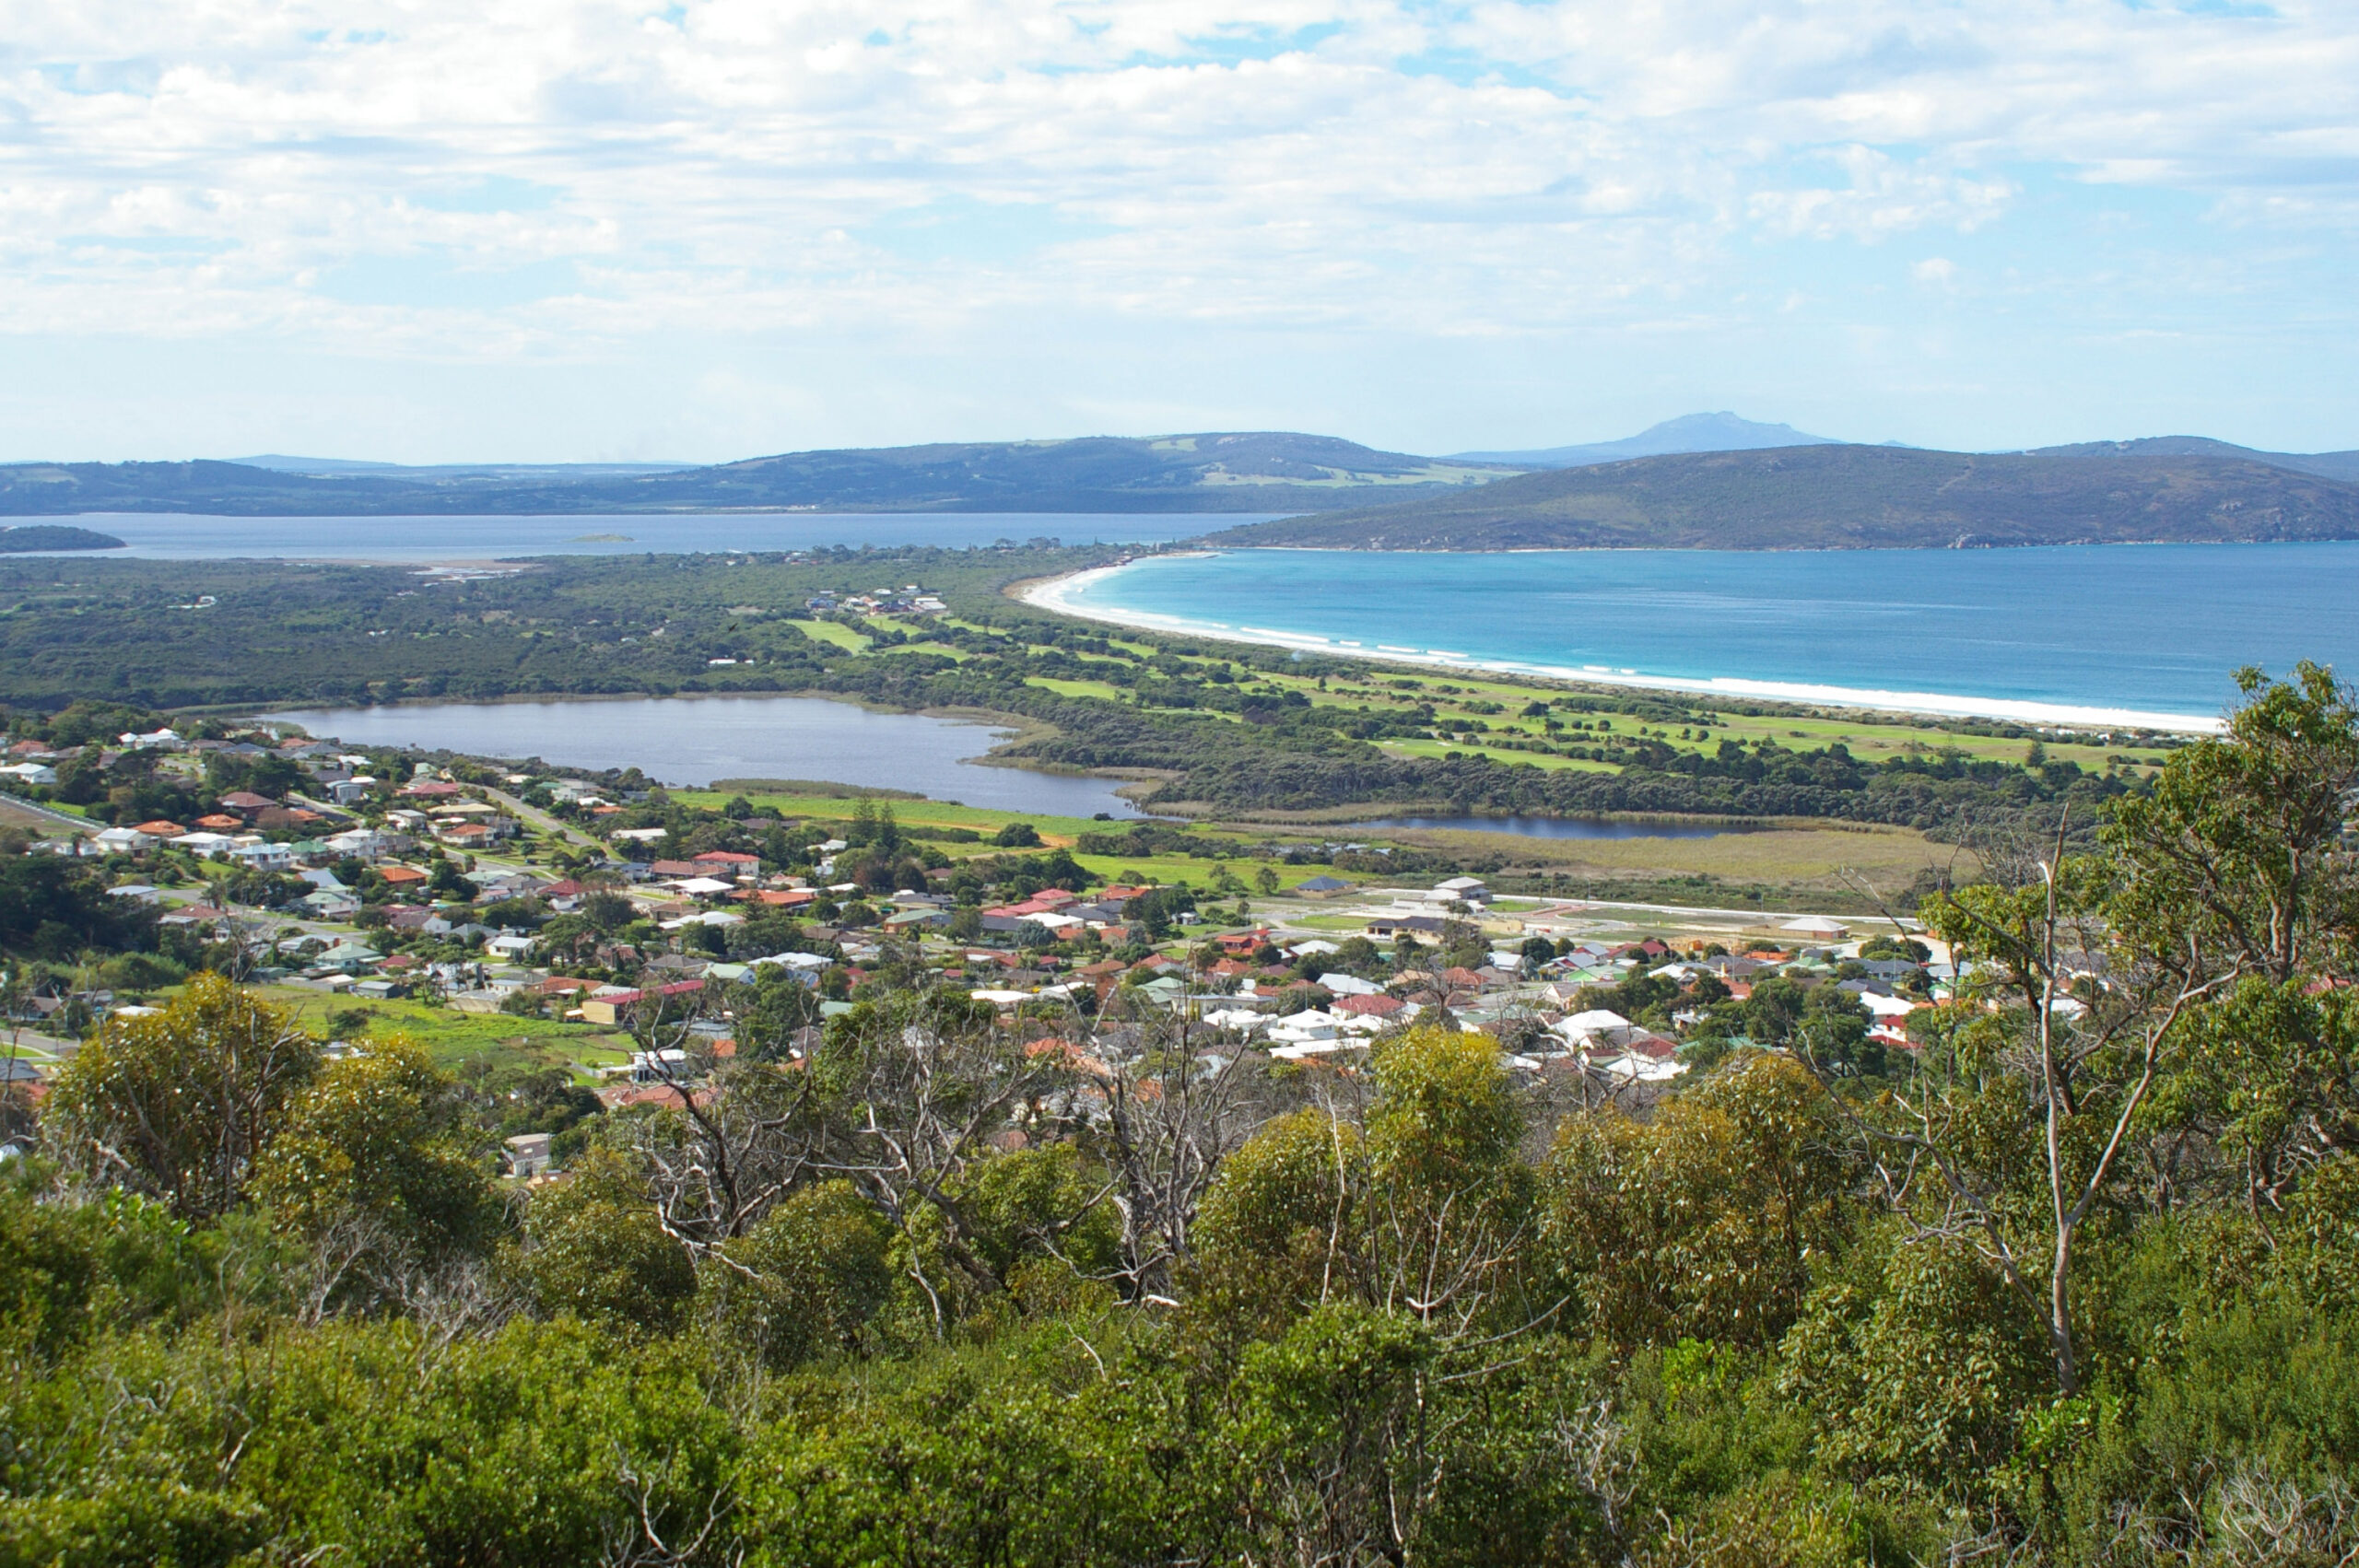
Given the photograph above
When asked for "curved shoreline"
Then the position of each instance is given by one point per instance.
(1058, 594)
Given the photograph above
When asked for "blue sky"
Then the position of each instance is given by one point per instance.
(445, 231)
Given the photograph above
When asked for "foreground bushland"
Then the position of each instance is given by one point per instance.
(2074, 1286)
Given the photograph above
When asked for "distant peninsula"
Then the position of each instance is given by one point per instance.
(1840, 497)
(1231, 471)
(54, 536)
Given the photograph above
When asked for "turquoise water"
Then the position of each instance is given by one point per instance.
(2119, 634)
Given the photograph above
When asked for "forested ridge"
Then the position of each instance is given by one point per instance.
(1848, 497)
(2069, 1281)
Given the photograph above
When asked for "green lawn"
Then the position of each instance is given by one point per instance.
(452, 1037)
(1104, 689)
(843, 637)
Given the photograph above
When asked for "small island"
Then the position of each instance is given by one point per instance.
(54, 536)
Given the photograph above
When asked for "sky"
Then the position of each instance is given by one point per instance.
(471, 230)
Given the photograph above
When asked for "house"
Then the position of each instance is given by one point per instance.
(246, 803)
(264, 857)
(1424, 927)
(1462, 889)
(205, 843)
(611, 1006)
(509, 945)
(138, 891)
(1322, 887)
(124, 840)
(403, 876)
(729, 859)
(1349, 985)
(528, 1154)
(159, 829)
(1597, 1026)
(29, 773)
(1377, 1006)
(1818, 928)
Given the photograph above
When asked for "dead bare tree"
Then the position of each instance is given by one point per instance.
(732, 1137)
(924, 1088)
(1172, 1117)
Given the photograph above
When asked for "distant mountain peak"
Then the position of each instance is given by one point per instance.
(1717, 432)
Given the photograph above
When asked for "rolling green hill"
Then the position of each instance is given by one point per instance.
(1248, 472)
(1849, 497)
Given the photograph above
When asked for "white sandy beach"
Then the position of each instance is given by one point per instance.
(1067, 595)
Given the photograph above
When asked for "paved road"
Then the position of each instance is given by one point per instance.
(544, 822)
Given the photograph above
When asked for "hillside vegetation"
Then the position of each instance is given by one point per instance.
(1248, 472)
(54, 536)
(2050, 1286)
(1827, 497)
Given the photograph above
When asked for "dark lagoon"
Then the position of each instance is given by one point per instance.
(693, 741)
(1549, 827)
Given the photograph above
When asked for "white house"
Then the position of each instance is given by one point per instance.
(203, 842)
(30, 772)
(1818, 926)
(264, 857)
(1598, 1026)
(127, 840)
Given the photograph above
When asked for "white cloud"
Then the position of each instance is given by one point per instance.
(486, 180)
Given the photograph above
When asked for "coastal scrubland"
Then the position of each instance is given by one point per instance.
(2064, 1281)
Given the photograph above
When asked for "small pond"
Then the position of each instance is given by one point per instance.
(1555, 826)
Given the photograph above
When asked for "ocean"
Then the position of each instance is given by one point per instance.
(2114, 635)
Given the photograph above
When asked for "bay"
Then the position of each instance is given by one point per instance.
(2114, 635)
(693, 741)
(180, 537)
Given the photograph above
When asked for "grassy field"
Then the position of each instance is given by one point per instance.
(454, 1038)
(986, 820)
(833, 632)
(1886, 856)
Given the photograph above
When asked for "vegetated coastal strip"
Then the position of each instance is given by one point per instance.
(1834, 497)
(47, 536)
(1223, 729)
(1069, 595)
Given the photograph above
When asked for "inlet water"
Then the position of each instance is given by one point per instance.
(693, 741)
